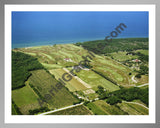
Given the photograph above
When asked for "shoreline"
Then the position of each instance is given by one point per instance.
(51, 44)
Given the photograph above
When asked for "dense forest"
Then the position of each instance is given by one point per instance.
(126, 44)
(127, 94)
(21, 65)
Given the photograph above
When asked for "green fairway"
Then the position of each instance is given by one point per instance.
(51, 66)
(43, 81)
(32, 54)
(121, 56)
(78, 110)
(145, 52)
(94, 80)
(113, 73)
(25, 99)
(72, 85)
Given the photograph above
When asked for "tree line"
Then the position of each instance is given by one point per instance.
(21, 65)
(127, 94)
(38, 110)
(123, 44)
(107, 78)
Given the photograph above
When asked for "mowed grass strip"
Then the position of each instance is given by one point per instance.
(107, 61)
(111, 72)
(78, 110)
(139, 108)
(94, 80)
(133, 109)
(25, 99)
(100, 107)
(96, 109)
(51, 66)
(72, 85)
(43, 81)
(109, 109)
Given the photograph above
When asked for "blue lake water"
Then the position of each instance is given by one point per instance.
(48, 28)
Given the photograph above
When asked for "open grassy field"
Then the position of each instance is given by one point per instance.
(89, 77)
(94, 80)
(139, 101)
(121, 56)
(43, 81)
(25, 99)
(145, 52)
(95, 109)
(72, 85)
(100, 107)
(133, 109)
(51, 66)
(78, 110)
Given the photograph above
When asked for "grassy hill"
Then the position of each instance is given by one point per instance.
(25, 99)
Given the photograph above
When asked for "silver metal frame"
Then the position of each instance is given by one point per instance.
(3, 2)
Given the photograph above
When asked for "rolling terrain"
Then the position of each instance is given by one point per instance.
(97, 85)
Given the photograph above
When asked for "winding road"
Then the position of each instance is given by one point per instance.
(71, 106)
(143, 85)
(134, 79)
(136, 103)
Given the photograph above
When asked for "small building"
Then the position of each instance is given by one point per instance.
(136, 60)
(68, 59)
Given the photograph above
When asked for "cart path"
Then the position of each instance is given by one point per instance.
(143, 85)
(134, 79)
